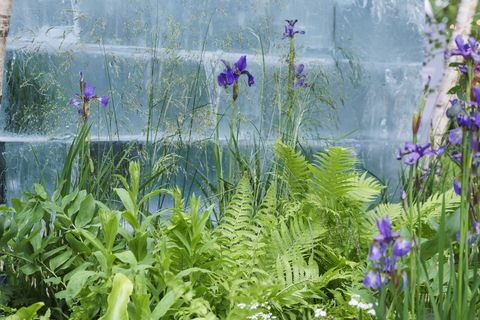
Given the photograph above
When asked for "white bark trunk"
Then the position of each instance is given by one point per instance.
(5, 13)
(465, 15)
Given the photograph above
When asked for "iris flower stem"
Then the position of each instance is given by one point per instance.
(289, 110)
(85, 151)
(411, 219)
(231, 141)
(219, 166)
(463, 254)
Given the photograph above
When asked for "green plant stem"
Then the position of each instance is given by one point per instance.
(464, 208)
(289, 108)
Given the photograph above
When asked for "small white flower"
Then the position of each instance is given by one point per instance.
(254, 305)
(363, 306)
(371, 311)
(353, 302)
(320, 313)
(241, 305)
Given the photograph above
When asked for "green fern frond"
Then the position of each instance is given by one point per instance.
(366, 189)
(333, 173)
(267, 211)
(295, 169)
(297, 238)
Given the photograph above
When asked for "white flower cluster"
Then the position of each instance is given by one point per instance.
(259, 315)
(320, 313)
(354, 302)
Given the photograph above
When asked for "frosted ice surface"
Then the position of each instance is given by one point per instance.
(368, 52)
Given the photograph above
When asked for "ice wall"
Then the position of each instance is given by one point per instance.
(161, 57)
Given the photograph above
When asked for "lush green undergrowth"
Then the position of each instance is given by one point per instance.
(296, 251)
(275, 235)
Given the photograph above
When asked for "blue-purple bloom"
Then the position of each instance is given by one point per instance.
(81, 102)
(414, 152)
(455, 136)
(372, 280)
(385, 228)
(290, 31)
(385, 250)
(300, 77)
(471, 236)
(231, 74)
(401, 247)
(466, 50)
(457, 187)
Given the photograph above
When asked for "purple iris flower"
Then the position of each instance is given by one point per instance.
(401, 247)
(376, 251)
(230, 75)
(471, 236)
(464, 120)
(385, 250)
(476, 93)
(456, 157)
(372, 280)
(88, 96)
(385, 228)
(414, 152)
(466, 50)
(457, 187)
(455, 136)
(464, 70)
(300, 77)
(290, 31)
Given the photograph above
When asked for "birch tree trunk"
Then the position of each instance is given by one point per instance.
(466, 12)
(5, 13)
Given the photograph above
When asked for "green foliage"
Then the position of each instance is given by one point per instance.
(85, 260)
(118, 298)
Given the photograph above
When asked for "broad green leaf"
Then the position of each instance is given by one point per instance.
(40, 191)
(141, 303)
(109, 221)
(26, 313)
(138, 245)
(118, 298)
(29, 269)
(130, 213)
(86, 212)
(92, 239)
(60, 259)
(69, 198)
(75, 205)
(77, 283)
(164, 305)
(127, 257)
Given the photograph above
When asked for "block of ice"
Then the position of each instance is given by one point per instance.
(157, 60)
